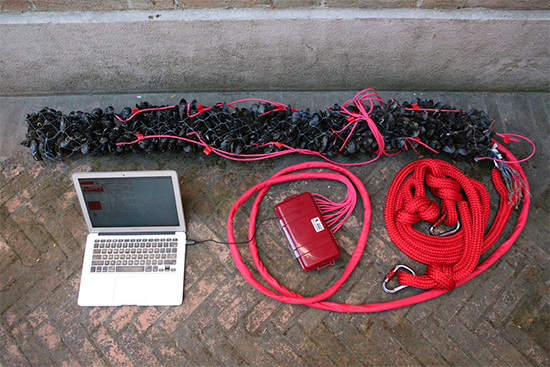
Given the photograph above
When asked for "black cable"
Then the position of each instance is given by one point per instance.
(193, 242)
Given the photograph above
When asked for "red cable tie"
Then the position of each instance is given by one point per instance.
(277, 108)
(278, 144)
(415, 107)
(140, 137)
(207, 150)
(335, 133)
(135, 110)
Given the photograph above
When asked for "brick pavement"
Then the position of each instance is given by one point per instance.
(499, 318)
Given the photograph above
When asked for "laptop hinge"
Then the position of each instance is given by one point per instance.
(137, 234)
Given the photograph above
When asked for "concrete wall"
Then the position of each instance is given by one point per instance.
(110, 5)
(265, 49)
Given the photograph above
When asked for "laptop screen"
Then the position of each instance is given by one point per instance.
(130, 201)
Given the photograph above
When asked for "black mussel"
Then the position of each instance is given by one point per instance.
(144, 105)
(434, 144)
(439, 105)
(237, 147)
(65, 142)
(109, 111)
(26, 143)
(261, 109)
(151, 147)
(97, 112)
(118, 150)
(449, 149)
(351, 146)
(114, 134)
(126, 113)
(173, 145)
(35, 151)
(85, 148)
(225, 108)
(424, 115)
(42, 149)
(314, 120)
(225, 146)
(31, 134)
(390, 123)
(295, 117)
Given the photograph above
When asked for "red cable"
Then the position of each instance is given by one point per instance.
(284, 295)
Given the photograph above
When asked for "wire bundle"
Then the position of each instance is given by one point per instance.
(364, 124)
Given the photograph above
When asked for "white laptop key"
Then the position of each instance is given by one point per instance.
(135, 250)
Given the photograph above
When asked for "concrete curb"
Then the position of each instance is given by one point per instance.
(265, 49)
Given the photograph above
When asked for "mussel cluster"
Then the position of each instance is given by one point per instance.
(262, 128)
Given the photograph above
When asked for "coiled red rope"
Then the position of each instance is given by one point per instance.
(319, 301)
(449, 258)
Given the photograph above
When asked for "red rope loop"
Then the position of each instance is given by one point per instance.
(281, 294)
(451, 258)
(420, 208)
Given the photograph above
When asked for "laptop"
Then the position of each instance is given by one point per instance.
(135, 250)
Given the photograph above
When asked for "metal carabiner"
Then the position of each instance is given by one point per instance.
(391, 275)
(444, 234)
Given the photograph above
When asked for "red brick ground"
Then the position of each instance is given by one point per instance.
(499, 318)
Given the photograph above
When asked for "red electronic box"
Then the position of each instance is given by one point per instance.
(310, 240)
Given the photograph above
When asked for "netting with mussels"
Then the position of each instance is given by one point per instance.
(260, 130)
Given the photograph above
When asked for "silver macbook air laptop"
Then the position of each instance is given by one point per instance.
(135, 251)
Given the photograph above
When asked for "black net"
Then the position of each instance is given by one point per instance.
(260, 130)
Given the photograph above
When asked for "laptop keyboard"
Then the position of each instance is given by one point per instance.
(135, 255)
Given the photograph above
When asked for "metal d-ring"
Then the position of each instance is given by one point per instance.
(444, 234)
(391, 275)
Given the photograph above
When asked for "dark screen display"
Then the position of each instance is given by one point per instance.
(130, 201)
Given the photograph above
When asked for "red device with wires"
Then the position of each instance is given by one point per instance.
(309, 238)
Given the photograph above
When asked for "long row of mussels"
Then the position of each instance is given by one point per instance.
(53, 135)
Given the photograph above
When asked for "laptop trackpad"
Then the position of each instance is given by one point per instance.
(131, 290)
